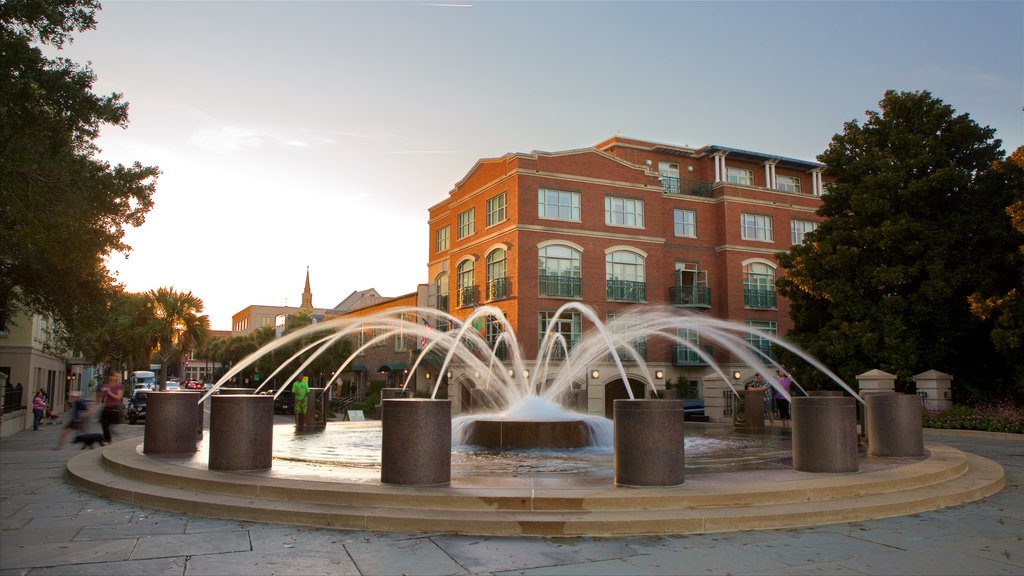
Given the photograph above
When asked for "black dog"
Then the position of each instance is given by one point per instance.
(88, 440)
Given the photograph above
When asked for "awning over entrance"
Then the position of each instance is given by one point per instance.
(357, 367)
(392, 367)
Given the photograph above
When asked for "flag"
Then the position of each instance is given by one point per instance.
(423, 337)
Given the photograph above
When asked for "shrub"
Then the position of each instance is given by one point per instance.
(1003, 416)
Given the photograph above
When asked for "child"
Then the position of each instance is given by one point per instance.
(79, 410)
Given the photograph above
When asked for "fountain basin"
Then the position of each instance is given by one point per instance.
(527, 434)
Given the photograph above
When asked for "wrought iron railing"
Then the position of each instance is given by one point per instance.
(626, 290)
(468, 296)
(13, 398)
(758, 298)
(560, 286)
(696, 296)
(499, 289)
(676, 185)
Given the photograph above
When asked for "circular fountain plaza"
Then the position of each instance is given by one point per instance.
(580, 480)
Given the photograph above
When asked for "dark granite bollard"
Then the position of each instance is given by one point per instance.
(170, 423)
(753, 410)
(825, 434)
(241, 432)
(649, 443)
(235, 391)
(416, 442)
(894, 424)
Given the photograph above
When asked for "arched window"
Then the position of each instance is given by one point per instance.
(467, 293)
(498, 286)
(560, 274)
(626, 276)
(441, 292)
(759, 285)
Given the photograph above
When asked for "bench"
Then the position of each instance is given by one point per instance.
(355, 416)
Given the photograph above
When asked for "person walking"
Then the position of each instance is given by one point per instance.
(783, 404)
(38, 409)
(111, 394)
(76, 420)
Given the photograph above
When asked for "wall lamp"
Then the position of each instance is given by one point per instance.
(526, 373)
(595, 374)
(736, 375)
(427, 376)
(659, 374)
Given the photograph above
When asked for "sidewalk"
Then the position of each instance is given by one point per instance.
(49, 527)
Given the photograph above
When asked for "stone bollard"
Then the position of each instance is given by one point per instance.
(649, 447)
(753, 410)
(170, 423)
(825, 434)
(416, 442)
(894, 424)
(235, 391)
(241, 432)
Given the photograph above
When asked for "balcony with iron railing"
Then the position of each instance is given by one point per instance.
(555, 286)
(677, 185)
(499, 289)
(685, 356)
(468, 296)
(694, 296)
(762, 299)
(626, 290)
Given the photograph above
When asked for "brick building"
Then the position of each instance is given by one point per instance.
(624, 223)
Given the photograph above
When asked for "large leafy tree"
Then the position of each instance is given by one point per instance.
(62, 210)
(915, 223)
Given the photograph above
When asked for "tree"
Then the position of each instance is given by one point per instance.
(914, 225)
(174, 326)
(62, 210)
(1006, 309)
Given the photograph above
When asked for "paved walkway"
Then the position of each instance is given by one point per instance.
(48, 526)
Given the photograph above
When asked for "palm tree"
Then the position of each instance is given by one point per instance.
(174, 325)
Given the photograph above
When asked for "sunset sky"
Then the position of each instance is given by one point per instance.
(295, 134)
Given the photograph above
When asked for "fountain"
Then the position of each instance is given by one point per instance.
(419, 445)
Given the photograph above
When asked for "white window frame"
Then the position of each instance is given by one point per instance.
(799, 230)
(625, 265)
(624, 212)
(558, 205)
(497, 209)
(787, 183)
(684, 222)
(741, 176)
(756, 227)
(467, 223)
(442, 238)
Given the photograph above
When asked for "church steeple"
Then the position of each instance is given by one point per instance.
(307, 296)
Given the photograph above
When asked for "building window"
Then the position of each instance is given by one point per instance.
(625, 276)
(570, 326)
(759, 286)
(559, 272)
(496, 209)
(497, 280)
(623, 212)
(684, 223)
(800, 229)
(669, 176)
(758, 342)
(756, 227)
(442, 238)
(739, 176)
(558, 205)
(467, 223)
(493, 335)
(787, 184)
(467, 294)
(625, 325)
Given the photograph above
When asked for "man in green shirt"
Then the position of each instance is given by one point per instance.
(300, 388)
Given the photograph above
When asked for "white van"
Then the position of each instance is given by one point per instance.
(140, 379)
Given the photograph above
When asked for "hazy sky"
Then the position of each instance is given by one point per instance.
(295, 134)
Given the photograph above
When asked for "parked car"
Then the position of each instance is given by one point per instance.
(693, 409)
(285, 403)
(137, 406)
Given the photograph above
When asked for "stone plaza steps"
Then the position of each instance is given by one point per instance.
(735, 501)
